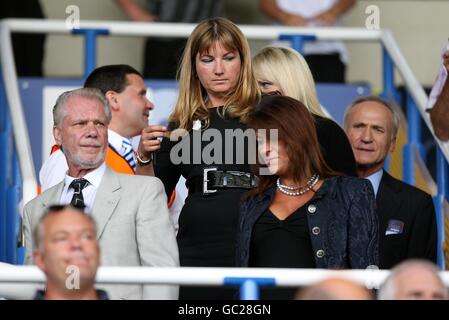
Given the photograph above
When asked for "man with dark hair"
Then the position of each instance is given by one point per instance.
(130, 210)
(125, 92)
(110, 78)
(406, 214)
(68, 253)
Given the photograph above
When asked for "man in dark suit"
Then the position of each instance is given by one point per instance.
(407, 223)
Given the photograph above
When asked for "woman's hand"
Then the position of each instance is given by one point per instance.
(150, 140)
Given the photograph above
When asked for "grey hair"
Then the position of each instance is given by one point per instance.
(396, 116)
(387, 290)
(90, 93)
(52, 210)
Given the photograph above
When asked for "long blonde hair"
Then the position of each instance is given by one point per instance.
(288, 69)
(191, 105)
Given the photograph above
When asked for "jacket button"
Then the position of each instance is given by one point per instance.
(320, 253)
(316, 231)
(311, 208)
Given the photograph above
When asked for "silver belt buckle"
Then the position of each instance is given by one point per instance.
(205, 181)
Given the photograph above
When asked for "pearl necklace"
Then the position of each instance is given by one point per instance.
(296, 188)
(303, 189)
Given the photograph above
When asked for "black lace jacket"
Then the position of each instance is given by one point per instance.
(342, 222)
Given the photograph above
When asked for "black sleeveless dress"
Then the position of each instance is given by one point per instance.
(207, 223)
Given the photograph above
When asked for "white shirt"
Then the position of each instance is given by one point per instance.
(94, 177)
(55, 167)
(309, 9)
(305, 8)
(116, 141)
(375, 180)
(53, 170)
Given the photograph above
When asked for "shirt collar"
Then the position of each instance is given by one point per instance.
(115, 140)
(375, 180)
(94, 177)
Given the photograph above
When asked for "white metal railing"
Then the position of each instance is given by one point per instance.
(203, 276)
(19, 127)
(252, 32)
(285, 277)
(175, 30)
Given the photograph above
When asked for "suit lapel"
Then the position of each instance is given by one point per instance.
(388, 201)
(52, 195)
(106, 199)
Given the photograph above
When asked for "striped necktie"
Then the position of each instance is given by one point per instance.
(127, 153)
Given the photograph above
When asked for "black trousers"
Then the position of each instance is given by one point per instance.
(326, 67)
(28, 47)
(162, 57)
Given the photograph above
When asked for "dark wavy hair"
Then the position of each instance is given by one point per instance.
(296, 131)
(110, 77)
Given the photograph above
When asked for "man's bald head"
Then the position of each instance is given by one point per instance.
(335, 289)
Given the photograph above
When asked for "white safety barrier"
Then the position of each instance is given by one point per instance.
(202, 276)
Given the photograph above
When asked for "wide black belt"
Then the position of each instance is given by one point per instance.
(213, 180)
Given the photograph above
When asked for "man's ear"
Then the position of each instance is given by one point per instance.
(38, 260)
(112, 98)
(57, 135)
(393, 144)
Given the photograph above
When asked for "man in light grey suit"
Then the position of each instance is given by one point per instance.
(130, 211)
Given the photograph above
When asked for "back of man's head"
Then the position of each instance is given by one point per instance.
(110, 77)
(413, 279)
(334, 289)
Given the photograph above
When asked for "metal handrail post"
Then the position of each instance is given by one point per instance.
(297, 41)
(249, 287)
(438, 200)
(90, 47)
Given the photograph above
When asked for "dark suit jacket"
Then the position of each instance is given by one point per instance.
(335, 146)
(415, 212)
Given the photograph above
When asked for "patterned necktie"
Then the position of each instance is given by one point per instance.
(128, 153)
(78, 185)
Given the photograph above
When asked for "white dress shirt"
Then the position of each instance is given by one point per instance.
(94, 177)
(116, 141)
